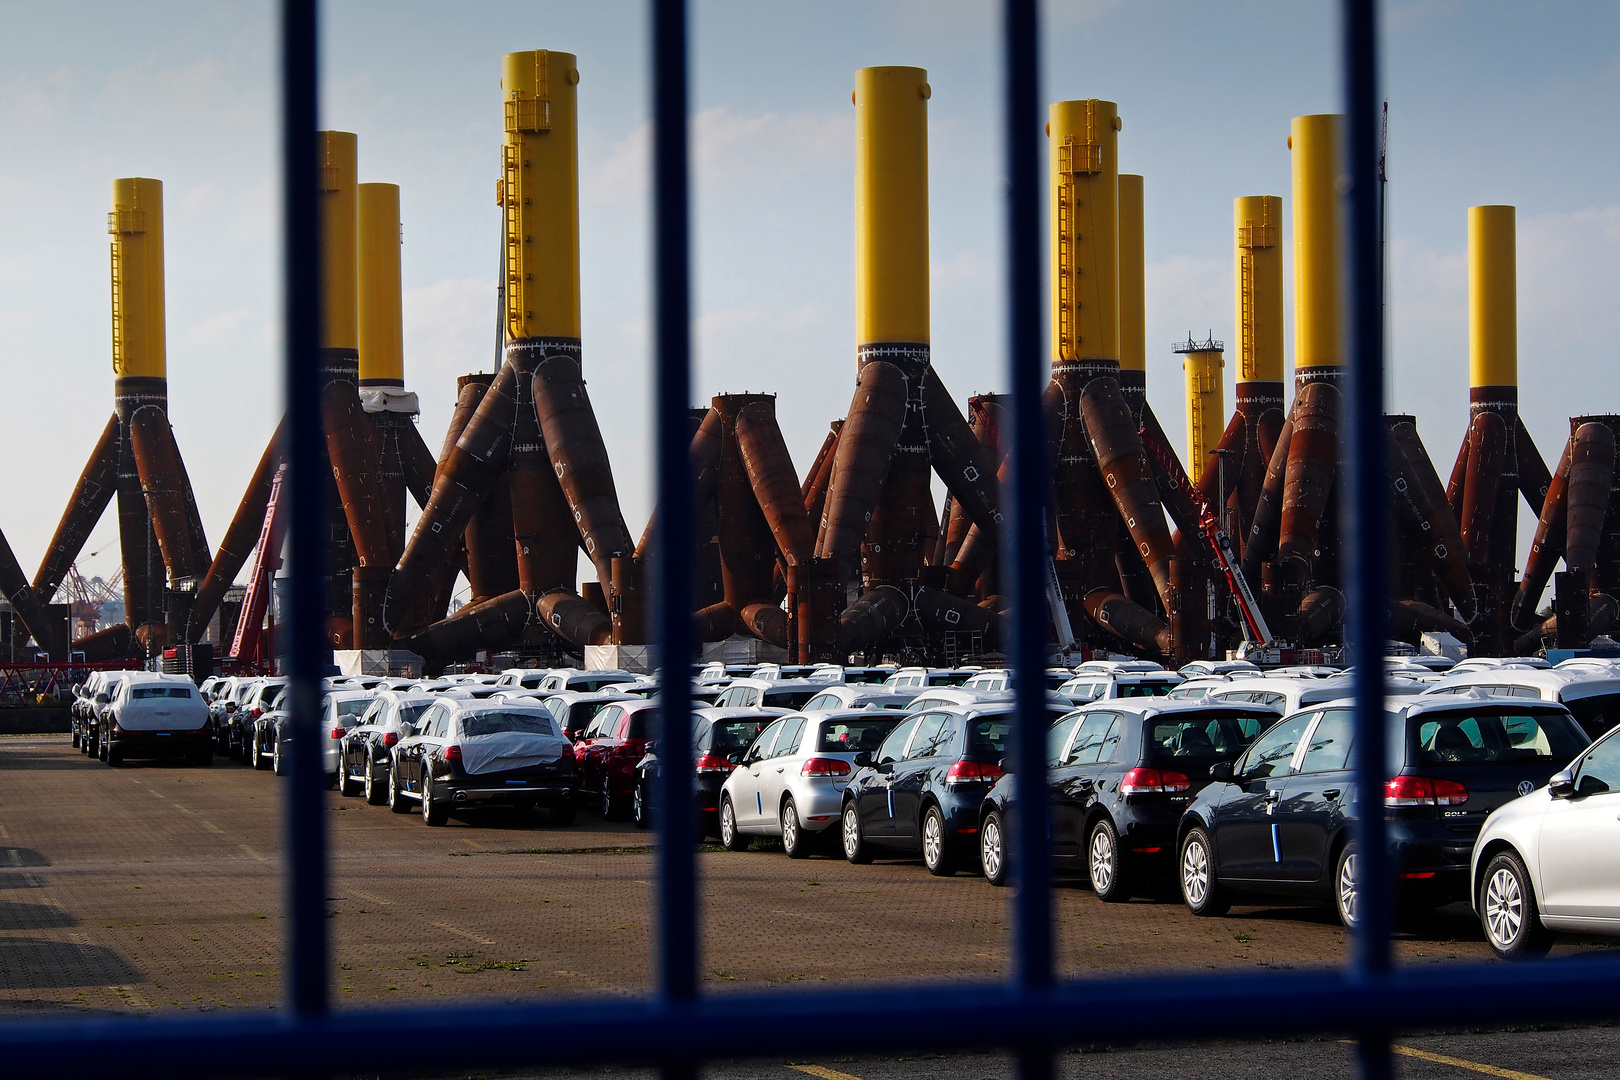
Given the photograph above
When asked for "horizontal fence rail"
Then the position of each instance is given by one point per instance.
(676, 1027)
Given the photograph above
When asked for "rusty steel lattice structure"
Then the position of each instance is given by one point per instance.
(1031, 1013)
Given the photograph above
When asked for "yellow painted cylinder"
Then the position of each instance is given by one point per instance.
(1314, 141)
(539, 193)
(1132, 276)
(1493, 297)
(891, 204)
(140, 345)
(1206, 406)
(1258, 279)
(337, 152)
(1083, 138)
(382, 343)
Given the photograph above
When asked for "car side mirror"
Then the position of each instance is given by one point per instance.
(1221, 771)
(1562, 785)
(863, 759)
(77, 687)
(1007, 765)
(652, 746)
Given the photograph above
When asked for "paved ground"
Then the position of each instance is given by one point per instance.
(156, 887)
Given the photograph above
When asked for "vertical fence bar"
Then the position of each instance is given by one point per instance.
(672, 598)
(1366, 527)
(304, 825)
(1025, 555)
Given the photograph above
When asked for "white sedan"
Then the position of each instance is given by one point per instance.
(1550, 860)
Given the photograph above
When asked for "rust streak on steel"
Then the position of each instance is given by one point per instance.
(1313, 457)
(816, 598)
(715, 622)
(866, 448)
(575, 619)
(966, 463)
(356, 455)
(1129, 477)
(1548, 546)
(1261, 544)
(1131, 622)
(747, 548)
(823, 457)
(765, 621)
(770, 472)
(543, 533)
(816, 485)
(580, 460)
(239, 539)
(157, 461)
(1487, 452)
(91, 495)
(1534, 479)
(1428, 524)
(500, 620)
(903, 522)
(1458, 481)
(705, 456)
(417, 462)
(1183, 514)
(1591, 474)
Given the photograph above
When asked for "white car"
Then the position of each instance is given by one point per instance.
(152, 715)
(859, 696)
(1591, 694)
(1550, 860)
(790, 782)
(1096, 684)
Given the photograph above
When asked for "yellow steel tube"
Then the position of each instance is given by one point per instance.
(1258, 278)
(340, 274)
(1493, 320)
(382, 346)
(891, 204)
(138, 313)
(1315, 144)
(1206, 406)
(1083, 139)
(1132, 276)
(539, 193)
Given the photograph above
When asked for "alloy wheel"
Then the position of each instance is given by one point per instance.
(1103, 855)
(990, 848)
(790, 827)
(1504, 908)
(933, 840)
(1346, 891)
(852, 832)
(1195, 872)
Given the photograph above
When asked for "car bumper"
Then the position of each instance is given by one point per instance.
(470, 791)
(819, 805)
(160, 743)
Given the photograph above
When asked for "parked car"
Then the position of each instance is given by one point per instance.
(1591, 694)
(155, 716)
(850, 674)
(258, 720)
(790, 781)
(1285, 696)
(90, 699)
(1551, 860)
(469, 753)
(574, 709)
(1121, 774)
(257, 698)
(1100, 684)
(1278, 821)
(1001, 679)
(606, 755)
(719, 739)
(919, 792)
(341, 711)
(366, 752)
(847, 696)
(1217, 667)
(569, 679)
(772, 694)
(921, 676)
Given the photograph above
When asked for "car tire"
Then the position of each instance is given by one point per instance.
(610, 805)
(993, 849)
(204, 757)
(1201, 889)
(275, 759)
(856, 849)
(372, 788)
(434, 813)
(1508, 912)
(1344, 887)
(938, 855)
(255, 755)
(345, 783)
(640, 811)
(730, 838)
(75, 738)
(1105, 862)
(101, 750)
(114, 758)
(794, 840)
(396, 798)
(563, 813)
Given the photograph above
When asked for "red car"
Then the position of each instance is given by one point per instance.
(606, 755)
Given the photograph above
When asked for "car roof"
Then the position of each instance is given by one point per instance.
(1554, 679)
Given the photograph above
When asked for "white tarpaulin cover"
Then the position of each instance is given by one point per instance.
(509, 750)
(375, 399)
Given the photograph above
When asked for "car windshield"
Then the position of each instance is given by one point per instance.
(1596, 714)
(730, 737)
(409, 713)
(356, 707)
(140, 692)
(789, 699)
(988, 734)
(1196, 735)
(491, 723)
(1156, 688)
(641, 724)
(1494, 738)
(853, 736)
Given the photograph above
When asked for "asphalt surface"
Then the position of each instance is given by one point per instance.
(156, 888)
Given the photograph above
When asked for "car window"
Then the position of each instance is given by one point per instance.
(491, 723)
(1330, 744)
(605, 723)
(987, 734)
(853, 736)
(1057, 738)
(1600, 771)
(1273, 753)
(762, 745)
(931, 736)
(1491, 738)
(729, 738)
(788, 741)
(643, 722)
(895, 744)
(1088, 741)
(1596, 714)
(1156, 688)
(821, 701)
(1194, 736)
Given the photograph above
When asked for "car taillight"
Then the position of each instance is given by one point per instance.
(627, 750)
(1146, 781)
(256, 711)
(452, 753)
(828, 766)
(390, 738)
(338, 733)
(1424, 791)
(968, 772)
(712, 763)
(230, 706)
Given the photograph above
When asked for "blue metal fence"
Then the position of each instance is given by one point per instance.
(677, 1028)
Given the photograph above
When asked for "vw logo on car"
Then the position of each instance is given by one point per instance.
(1526, 787)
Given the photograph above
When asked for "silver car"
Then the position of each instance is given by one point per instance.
(790, 782)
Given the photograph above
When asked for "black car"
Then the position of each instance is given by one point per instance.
(367, 751)
(719, 737)
(920, 792)
(1121, 774)
(468, 753)
(1278, 821)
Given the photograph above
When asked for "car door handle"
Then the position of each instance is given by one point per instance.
(1331, 793)
(781, 768)
(1273, 796)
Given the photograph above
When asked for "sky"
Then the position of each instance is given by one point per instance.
(1489, 103)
